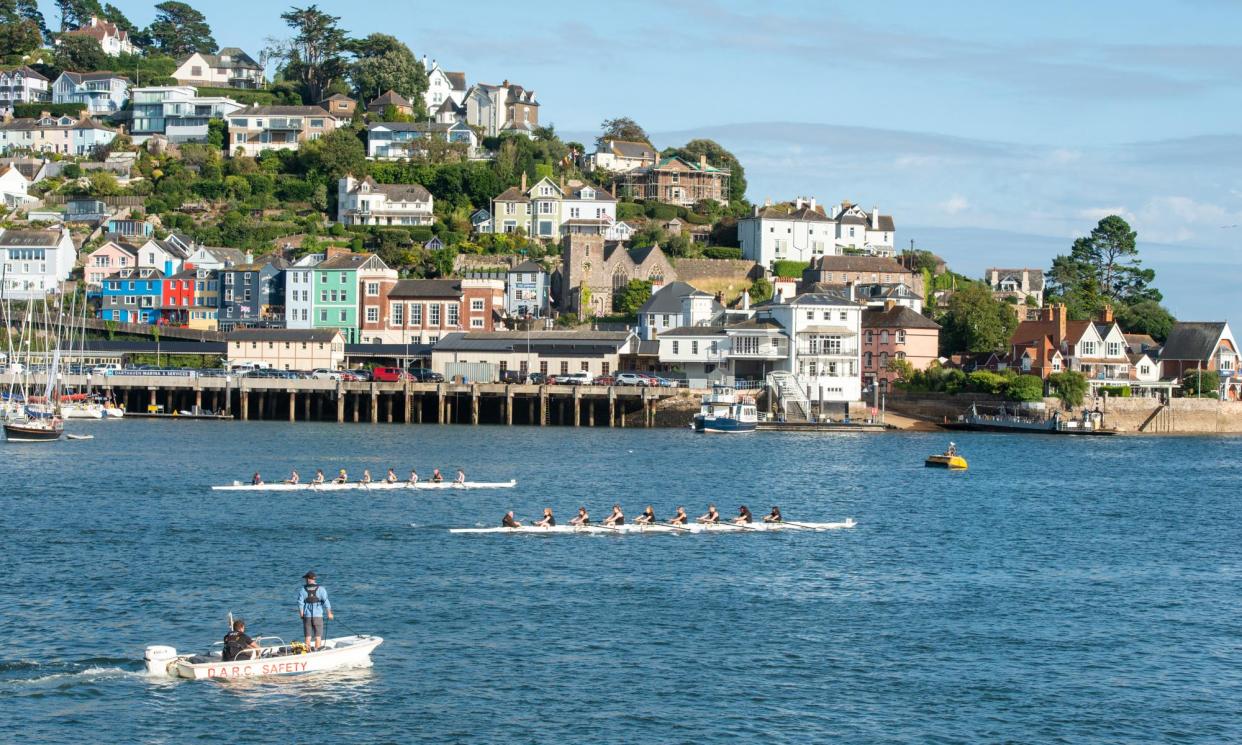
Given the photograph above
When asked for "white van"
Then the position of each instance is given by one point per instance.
(246, 366)
(106, 368)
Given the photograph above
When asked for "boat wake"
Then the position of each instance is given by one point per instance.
(17, 676)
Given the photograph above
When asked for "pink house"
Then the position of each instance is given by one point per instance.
(108, 259)
(896, 332)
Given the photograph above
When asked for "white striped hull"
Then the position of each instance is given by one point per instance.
(660, 529)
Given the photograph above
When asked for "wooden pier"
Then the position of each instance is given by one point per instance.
(272, 399)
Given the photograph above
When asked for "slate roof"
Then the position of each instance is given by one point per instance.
(281, 111)
(398, 192)
(528, 267)
(630, 149)
(456, 79)
(694, 331)
(389, 98)
(420, 288)
(804, 213)
(1192, 340)
(845, 263)
(225, 255)
(562, 343)
(345, 261)
(668, 298)
(238, 60)
(270, 334)
(80, 77)
(512, 194)
(896, 317)
(42, 238)
(26, 71)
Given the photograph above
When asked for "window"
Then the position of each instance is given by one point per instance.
(543, 367)
(476, 305)
(1114, 349)
(416, 314)
(476, 323)
(342, 277)
(323, 296)
(372, 314)
(870, 337)
(884, 337)
(333, 295)
(454, 314)
(397, 312)
(810, 315)
(343, 316)
(747, 345)
(605, 368)
(665, 320)
(372, 288)
(901, 338)
(676, 347)
(564, 367)
(433, 314)
(694, 347)
(867, 360)
(844, 316)
(323, 316)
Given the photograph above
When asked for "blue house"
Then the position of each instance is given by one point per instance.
(129, 228)
(133, 295)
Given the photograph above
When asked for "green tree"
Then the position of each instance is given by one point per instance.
(629, 300)
(976, 322)
(621, 128)
(315, 56)
(179, 30)
(75, 14)
(217, 133)
(382, 63)
(338, 153)
(901, 367)
(19, 35)
(1146, 317)
(115, 15)
(1069, 386)
(1101, 268)
(1026, 388)
(1201, 383)
(28, 10)
(720, 158)
(761, 290)
(80, 54)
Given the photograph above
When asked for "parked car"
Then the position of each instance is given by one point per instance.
(604, 380)
(538, 378)
(574, 378)
(425, 375)
(324, 373)
(512, 376)
(363, 375)
(109, 368)
(657, 382)
(389, 375)
(631, 378)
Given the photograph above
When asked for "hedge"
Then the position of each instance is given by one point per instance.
(241, 95)
(34, 110)
(719, 252)
(629, 211)
(790, 269)
(1115, 391)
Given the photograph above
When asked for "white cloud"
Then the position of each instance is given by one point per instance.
(955, 204)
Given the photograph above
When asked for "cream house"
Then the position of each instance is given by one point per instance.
(287, 349)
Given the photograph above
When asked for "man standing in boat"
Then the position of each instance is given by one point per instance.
(313, 604)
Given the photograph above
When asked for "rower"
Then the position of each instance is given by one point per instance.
(616, 518)
(508, 522)
(582, 518)
(341, 477)
(413, 477)
(743, 516)
(391, 478)
(681, 518)
(647, 518)
(712, 517)
(547, 521)
(436, 477)
(774, 516)
(461, 478)
(294, 478)
(366, 476)
(256, 479)
(319, 479)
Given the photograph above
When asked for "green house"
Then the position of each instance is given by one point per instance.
(336, 290)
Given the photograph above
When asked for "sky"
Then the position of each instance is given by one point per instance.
(993, 132)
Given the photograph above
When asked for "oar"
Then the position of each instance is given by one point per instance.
(798, 525)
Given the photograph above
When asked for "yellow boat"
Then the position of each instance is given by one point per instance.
(952, 462)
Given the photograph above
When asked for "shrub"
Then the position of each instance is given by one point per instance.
(1069, 386)
(720, 252)
(629, 211)
(1026, 388)
(1115, 391)
(790, 269)
(659, 211)
(1202, 383)
(33, 110)
(983, 381)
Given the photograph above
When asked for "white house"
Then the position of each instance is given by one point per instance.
(169, 255)
(619, 231)
(1144, 367)
(442, 86)
(398, 140)
(675, 305)
(621, 156)
(54, 134)
(857, 229)
(822, 330)
(802, 233)
(229, 68)
(299, 284)
(216, 257)
(502, 108)
(177, 112)
(14, 188)
(35, 262)
(112, 39)
(96, 92)
(368, 203)
(22, 85)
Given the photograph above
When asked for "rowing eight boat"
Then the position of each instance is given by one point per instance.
(692, 528)
(373, 486)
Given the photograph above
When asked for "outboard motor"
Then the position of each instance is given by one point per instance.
(157, 658)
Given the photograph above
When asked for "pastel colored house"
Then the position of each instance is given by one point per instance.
(338, 282)
(113, 40)
(22, 85)
(896, 332)
(256, 129)
(367, 203)
(107, 260)
(288, 349)
(103, 92)
(229, 68)
(549, 210)
(133, 296)
(64, 135)
(35, 262)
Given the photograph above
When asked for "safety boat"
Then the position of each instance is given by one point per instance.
(274, 657)
(953, 462)
(724, 411)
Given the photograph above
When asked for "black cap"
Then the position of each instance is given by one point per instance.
(309, 575)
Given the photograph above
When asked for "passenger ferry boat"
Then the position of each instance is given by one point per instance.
(724, 411)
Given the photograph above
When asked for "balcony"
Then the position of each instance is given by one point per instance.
(767, 351)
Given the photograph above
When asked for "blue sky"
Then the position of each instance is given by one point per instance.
(993, 132)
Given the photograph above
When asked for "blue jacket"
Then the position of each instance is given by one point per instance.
(317, 610)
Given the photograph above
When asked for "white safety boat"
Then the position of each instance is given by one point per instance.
(373, 486)
(665, 528)
(272, 659)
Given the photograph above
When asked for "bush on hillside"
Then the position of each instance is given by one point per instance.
(790, 269)
(1026, 388)
(720, 252)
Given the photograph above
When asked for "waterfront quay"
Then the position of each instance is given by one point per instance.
(291, 400)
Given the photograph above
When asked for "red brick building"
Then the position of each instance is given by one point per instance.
(422, 311)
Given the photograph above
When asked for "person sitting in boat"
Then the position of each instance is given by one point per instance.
(681, 518)
(319, 477)
(952, 449)
(341, 477)
(508, 522)
(743, 516)
(647, 517)
(256, 479)
(712, 517)
(236, 642)
(617, 517)
(774, 516)
(461, 478)
(436, 476)
(391, 478)
(313, 605)
(366, 476)
(413, 477)
(294, 478)
(547, 521)
(582, 518)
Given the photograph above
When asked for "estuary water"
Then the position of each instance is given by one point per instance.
(1061, 590)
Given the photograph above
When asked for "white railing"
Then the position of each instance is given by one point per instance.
(793, 400)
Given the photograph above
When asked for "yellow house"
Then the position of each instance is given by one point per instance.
(287, 349)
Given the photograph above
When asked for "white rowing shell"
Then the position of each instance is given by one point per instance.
(692, 528)
(373, 486)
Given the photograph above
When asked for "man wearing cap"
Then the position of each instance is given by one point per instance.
(312, 605)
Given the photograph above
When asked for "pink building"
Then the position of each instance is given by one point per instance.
(896, 332)
(108, 259)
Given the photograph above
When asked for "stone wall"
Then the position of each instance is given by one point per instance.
(726, 276)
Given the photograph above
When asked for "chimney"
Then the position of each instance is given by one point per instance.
(1060, 315)
(875, 218)
(813, 207)
(505, 84)
(745, 299)
(889, 305)
(523, 181)
(1107, 315)
(703, 162)
(756, 210)
(798, 203)
(849, 290)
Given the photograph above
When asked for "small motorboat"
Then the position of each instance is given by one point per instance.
(34, 430)
(952, 461)
(79, 437)
(273, 657)
(724, 411)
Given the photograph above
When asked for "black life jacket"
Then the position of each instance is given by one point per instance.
(233, 646)
(312, 596)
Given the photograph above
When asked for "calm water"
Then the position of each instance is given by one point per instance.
(1061, 590)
